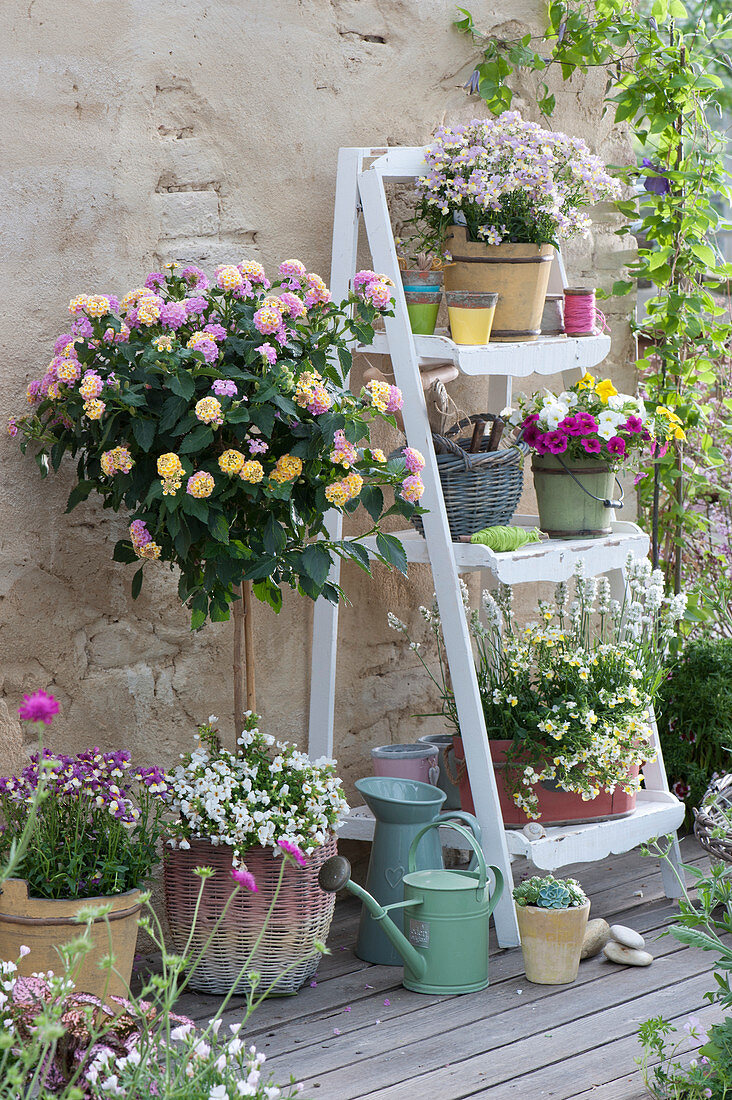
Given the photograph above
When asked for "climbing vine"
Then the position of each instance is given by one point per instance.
(662, 79)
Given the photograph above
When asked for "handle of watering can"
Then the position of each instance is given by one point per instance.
(470, 820)
(497, 889)
(464, 833)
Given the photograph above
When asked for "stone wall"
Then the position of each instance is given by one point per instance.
(140, 132)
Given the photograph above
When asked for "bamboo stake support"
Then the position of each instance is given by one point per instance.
(243, 654)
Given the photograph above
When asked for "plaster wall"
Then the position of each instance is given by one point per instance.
(204, 130)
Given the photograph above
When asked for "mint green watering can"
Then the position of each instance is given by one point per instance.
(446, 915)
(400, 808)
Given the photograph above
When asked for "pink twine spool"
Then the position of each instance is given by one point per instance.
(581, 315)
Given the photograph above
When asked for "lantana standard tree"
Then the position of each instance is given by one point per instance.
(216, 416)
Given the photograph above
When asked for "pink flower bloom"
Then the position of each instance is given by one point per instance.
(82, 327)
(321, 400)
(195, 305)
(292, 306)
(364, 278)
(267, 320)
(215, 330)
(154, 280)
(616, 445)
(633, 424)
(638, 478)
(12, 427)
(38, 707)
(395, 401)
(413, 460)
(337, 1031)
(556, 442)
(592, 446)
(64, 339)
(387, 1002)
(244, 878)
(208, 349)
(173, 314)
(224, 387)
(292, 269)
(24, 951)
(531, 434)
(412, 488)
(291, 849)
(258, 447)
(269, 353)
(194, 277)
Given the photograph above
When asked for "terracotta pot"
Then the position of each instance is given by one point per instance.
(518, 273)
(44, 924)
(551, 942)
(557, 807)
(302, 915)
(417, 278)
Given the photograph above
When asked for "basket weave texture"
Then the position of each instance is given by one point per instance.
(713, 822)
(302, 915)
(482, 489)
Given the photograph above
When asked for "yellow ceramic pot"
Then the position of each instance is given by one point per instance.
(471, 316)
(519, 273)
(43, 924)
(551, 942)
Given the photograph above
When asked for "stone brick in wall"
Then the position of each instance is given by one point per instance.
(207, 131)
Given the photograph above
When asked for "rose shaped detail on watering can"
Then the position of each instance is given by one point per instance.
(445, 913)
(401, 808)
(416, 761)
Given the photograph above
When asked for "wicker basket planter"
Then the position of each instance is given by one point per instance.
(482, 489)
(302, 915)
(713, 821)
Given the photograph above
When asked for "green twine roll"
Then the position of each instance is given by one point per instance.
(503, 539)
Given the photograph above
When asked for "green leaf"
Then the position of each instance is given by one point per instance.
(144, 432)
(78, 493)
(182, 384)
(372, 499)
(137, 583)
(194, 506)
(392, 551)
(274, 538)
(200, 437)
(260, 569)
(124, 552)
(268, 592)
(316, 563)
(198, 618)
(219, 528)
(359, 554)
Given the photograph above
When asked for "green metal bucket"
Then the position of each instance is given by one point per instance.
(575, 499)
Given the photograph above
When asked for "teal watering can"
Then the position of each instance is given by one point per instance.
(446, 915)
(401, 807)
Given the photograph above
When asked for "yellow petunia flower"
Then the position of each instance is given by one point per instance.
(587, 381)
(604, 390)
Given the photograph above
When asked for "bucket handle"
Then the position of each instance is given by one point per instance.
(483, 871)
(600, 500)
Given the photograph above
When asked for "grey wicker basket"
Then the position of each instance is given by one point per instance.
(482, 489)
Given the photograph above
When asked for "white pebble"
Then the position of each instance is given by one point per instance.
(628, 937)
(626, 956)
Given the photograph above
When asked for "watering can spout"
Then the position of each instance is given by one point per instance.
(335, 874)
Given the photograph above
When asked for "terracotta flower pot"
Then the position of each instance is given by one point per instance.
(551, 942)
(557, 807)
(518, 273)
(302, 915)
(43, 924)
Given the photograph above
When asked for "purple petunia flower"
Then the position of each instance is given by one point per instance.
(633, 424)
(616, 445)
(592, 446)
(38, 707)
(555, 442)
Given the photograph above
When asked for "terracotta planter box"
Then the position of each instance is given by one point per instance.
(557, 807)
(551, 942)
(44, 924)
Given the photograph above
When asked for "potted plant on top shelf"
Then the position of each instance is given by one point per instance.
(566, 698)
(93, 833)
(580, 439)
(499, 194)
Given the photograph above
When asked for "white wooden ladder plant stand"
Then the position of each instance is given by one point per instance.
(360, 189)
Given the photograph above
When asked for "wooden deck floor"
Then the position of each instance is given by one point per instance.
(358, 1033)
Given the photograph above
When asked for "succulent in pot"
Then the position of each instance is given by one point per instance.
(552, 917)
